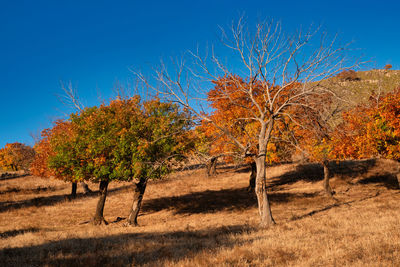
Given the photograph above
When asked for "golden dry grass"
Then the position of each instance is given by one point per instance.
(191, 220)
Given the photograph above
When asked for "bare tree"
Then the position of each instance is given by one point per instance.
(70, 98)
(287, 67)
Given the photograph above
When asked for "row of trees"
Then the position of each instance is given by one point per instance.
(327, 132)
(267, 83)
(130, 139)
(271, 102)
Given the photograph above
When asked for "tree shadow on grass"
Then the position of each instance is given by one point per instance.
(211, 201)
(314, 172)
(311, 172)
(52, 200)
(331, 206)
(387, 180)
(37, 190)
(13, 176)
(124, 249)
(13, 233)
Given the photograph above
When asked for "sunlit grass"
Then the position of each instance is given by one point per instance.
(192, 220)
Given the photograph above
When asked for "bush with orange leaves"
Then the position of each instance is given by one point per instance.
(372, 130)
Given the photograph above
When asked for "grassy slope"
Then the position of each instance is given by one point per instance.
(190, 220)
(359, 91)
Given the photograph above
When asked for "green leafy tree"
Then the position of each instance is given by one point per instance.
(125, 140)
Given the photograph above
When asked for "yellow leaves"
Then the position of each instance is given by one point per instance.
(272, 155)
(16, 156)
(98, 161)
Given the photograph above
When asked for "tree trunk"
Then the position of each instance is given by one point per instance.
(98, 217)
(85, 187)
(73, 190)
(253, 175)
(398, 178)
(327, 187)
(212, 166)
(137, 201)
(264, 208)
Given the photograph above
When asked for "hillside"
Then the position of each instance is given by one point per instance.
(356, 88)
(358, 91)
(191, 220)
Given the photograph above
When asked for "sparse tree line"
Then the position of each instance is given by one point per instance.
(277, 105)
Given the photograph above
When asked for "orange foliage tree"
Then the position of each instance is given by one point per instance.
(278, 72)
(16, 156)
(61, 131)
(314, 134)
(371, 130)
(230, 123)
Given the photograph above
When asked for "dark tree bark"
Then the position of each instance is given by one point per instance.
(327, 186)
(85, 187)
(98, 217)
(73, 190)
(253, 175)
(264, 208)
(138, 193)
(212, 167)
(398, 178)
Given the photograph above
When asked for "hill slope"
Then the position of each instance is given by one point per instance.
(358, 90)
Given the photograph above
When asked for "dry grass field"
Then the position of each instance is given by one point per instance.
(191, 220)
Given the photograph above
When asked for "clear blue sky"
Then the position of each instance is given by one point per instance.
(93, 43)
